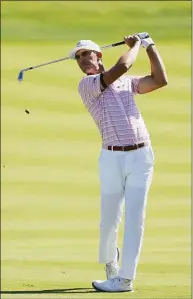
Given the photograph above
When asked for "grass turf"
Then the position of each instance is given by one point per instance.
(50, 187)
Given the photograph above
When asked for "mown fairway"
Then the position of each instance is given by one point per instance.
(50, 187)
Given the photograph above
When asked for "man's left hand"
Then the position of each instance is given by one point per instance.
(146, 42)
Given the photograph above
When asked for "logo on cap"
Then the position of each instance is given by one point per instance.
(82, 44)
(78, 44)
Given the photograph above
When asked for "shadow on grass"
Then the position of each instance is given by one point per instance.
(54, 291)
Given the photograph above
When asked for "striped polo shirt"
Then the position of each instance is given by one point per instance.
(114, 110)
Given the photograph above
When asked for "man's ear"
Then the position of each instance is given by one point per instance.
(99, 55)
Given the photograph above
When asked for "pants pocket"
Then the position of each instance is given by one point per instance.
(143, 159)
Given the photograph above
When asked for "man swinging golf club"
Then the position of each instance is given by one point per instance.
(126, 160)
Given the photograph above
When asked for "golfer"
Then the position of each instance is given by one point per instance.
(126, 161)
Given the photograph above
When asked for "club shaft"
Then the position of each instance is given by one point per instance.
(65, 58)
(141, 35)
(46, 63)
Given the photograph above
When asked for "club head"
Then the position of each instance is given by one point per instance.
(20, 76)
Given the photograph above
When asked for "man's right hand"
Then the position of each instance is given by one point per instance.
(131, 40)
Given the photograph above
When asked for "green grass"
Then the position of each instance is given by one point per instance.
(50, 185)
(70, 20)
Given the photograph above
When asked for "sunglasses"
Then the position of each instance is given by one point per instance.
(82, 54)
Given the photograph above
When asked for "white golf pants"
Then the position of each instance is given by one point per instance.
(125, 177)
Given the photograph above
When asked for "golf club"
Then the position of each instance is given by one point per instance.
(21, 73)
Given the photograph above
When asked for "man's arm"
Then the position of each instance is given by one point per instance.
(158, 77)
(125, 61)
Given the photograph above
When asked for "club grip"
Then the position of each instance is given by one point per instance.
(141, 36)
(118, 44)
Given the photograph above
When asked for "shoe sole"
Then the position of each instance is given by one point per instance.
(99, 290)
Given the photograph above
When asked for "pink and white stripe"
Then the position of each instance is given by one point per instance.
(114, 110)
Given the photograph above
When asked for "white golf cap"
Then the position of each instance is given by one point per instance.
(84, 44)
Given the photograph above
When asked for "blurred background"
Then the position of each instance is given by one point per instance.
(49, 158)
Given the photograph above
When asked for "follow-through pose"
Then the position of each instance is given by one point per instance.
(126, 160)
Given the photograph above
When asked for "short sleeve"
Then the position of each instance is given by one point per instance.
(134, 83)
(89, 88)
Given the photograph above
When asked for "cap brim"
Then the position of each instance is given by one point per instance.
(73, 52)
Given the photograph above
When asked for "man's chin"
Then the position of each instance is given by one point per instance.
(89, 71)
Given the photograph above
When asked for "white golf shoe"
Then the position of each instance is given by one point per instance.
(116, 284)
(112, 268)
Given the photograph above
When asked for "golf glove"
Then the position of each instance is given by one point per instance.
(146, 42)
(142, 35)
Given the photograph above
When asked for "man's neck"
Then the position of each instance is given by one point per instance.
(100, 70)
